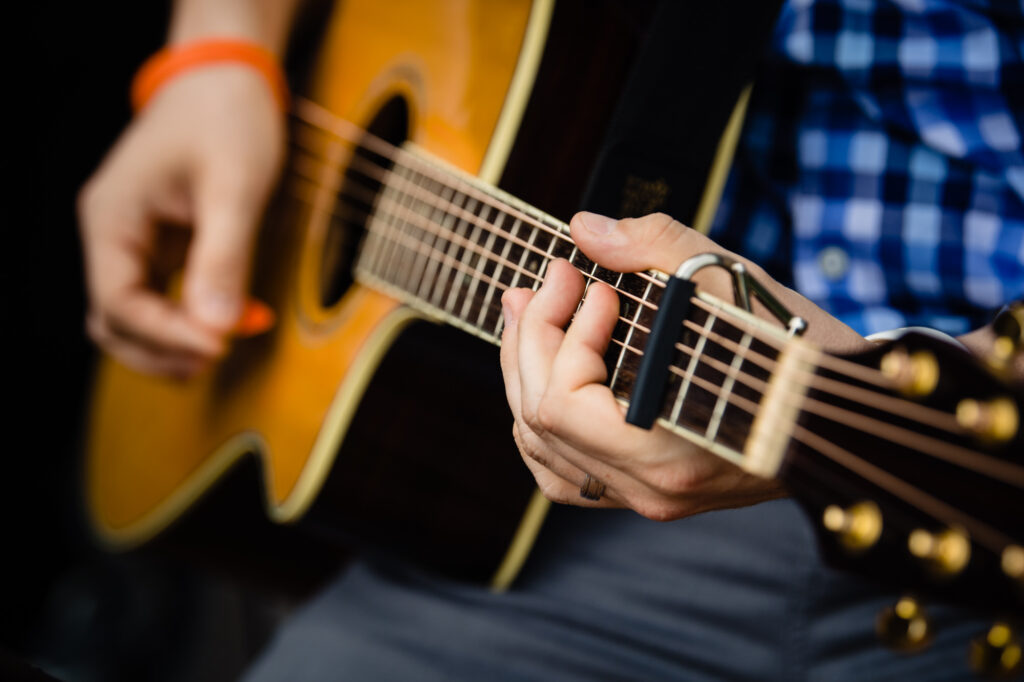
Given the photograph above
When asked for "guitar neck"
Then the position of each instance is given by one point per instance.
(449, 245)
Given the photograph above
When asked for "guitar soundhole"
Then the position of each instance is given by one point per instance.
(355, 201)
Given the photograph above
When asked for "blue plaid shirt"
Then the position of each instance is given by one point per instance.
(881, 170)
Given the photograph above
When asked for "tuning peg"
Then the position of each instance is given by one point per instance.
(913, 374)
(1009, 329)
(1013, 562)
(858, 526)
(904, 626)
(946, 552)
(992, 420)
(997, 653)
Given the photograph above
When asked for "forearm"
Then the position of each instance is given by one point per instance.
(266, 22)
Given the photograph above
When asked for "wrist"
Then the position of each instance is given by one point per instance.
(179, 59)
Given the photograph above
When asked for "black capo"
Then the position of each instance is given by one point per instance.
(648, 393)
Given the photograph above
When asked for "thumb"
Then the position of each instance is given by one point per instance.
(217, 269)
(633, 244)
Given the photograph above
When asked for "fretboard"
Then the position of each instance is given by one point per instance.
(450, 245)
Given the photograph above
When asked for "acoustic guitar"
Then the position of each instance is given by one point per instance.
(909, 458)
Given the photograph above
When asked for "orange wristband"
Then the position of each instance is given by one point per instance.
(173, 61)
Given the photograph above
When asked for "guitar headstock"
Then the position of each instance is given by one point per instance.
(910, 462)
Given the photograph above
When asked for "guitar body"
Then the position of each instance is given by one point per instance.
(454, 78)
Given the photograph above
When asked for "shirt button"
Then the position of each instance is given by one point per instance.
(833, 262)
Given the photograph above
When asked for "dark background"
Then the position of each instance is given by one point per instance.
(66, 607)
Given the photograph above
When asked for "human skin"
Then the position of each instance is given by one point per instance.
(183, 189)
(186, 183)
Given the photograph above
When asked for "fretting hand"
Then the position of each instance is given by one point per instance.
(567, 423)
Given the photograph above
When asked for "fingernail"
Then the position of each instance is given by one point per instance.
(506, 311)
(219, 310)
(598, 224)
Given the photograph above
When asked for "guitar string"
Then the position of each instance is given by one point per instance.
(924, 415)
(353, 135)
(970, 460)
(434, 170)
(476, 248)
(366, 195)
(470, 246)
(452, 209)
(977, 530)
(840, 366)
(478, 220)
(863, 468)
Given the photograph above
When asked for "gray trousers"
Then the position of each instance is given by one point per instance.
(608, 595)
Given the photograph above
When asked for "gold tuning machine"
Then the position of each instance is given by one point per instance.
(858, 527)
(1009, 329)
(997, 653)
(992, 420)
(1013, 562)
(947, 552)
(913, 374)
(904, 626)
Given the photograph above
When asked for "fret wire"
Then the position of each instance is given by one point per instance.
(400, 156)
(546, 261)
(440, 256)
(572, 254)
(633, 324)
(403, 225)
(529, 246)
(481, 263)
(396, 251)
(629, 337)
(441, 279)
(760, 359)
(517, 223)
(466, 215)
(467, 257)
(380, 257)
(431, 226)
(448, 239)
(434, 228)
(454, 245)
(726, 389)
(399, 266)
(711, 387)
(420, 265)
(485, 307)
(522, 260)
(430, 276)
(840, 366)
(690, 371)
(586, 287)
(777, 342)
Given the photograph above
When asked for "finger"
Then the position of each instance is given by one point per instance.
(634, 244)
(118, 242)
(580, 359)
(558, 480)
(149, 320)
(513, 302)
(540, 331)
(217, 269)
(142, 359)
